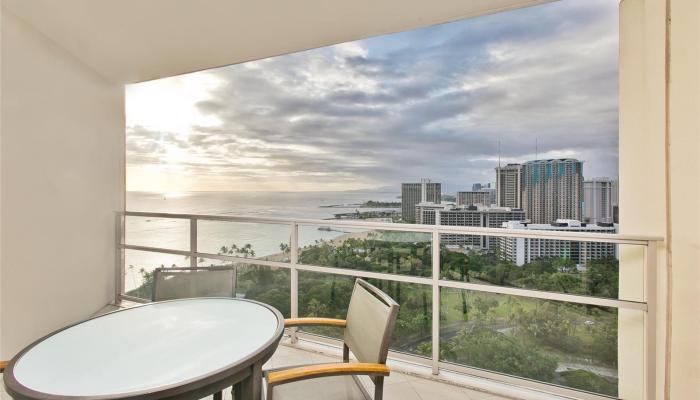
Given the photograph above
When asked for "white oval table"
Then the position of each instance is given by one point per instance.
(179, 349)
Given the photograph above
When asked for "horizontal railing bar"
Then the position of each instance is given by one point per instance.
(459, 230)
(536, 294)
(155, 249)
(365, 274)
(207, 255)
(320, 269)
(212, 217)
(554, 235)
(243, 260)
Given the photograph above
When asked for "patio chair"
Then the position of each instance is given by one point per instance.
(182, 283)
(368, 328)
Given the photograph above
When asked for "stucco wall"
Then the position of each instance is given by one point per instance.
(684, 197)
(61, 166)
(659, 183)
(642, 179)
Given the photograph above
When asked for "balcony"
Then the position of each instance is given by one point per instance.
(64, 67)
(575, 336)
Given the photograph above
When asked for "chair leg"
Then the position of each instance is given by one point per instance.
(268, 392)
(378, 388)
(346, 353)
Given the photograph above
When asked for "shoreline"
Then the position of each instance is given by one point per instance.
(336, 241)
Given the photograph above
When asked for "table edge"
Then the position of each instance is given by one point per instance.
(20, 392)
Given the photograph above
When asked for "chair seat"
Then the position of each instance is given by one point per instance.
(328, 388)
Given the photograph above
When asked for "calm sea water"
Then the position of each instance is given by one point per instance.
(265, 239)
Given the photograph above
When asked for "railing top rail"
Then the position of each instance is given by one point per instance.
(443, 229)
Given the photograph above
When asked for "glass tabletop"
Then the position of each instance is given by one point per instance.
(146, 347)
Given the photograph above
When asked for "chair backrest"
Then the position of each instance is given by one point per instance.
(370, 323)
(183, 283)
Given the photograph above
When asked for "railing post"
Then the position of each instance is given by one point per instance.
(193, 242)
(650, 320)
(294, 276)
(119, 270)
(436, 298)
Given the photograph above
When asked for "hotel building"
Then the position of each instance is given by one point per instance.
(414, 193)
(451, 215)
(482, 196)
(524, 250)
(599, 198)
(509, 186)
(552, 189)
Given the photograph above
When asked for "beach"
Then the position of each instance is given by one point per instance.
(265, 239)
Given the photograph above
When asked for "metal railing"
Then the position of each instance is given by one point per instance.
(646, 305)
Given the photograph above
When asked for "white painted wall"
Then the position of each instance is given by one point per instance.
(660, 184)
(61, 164)
(684, 198)
(642, 178)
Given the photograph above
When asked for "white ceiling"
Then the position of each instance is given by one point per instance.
(136, 40)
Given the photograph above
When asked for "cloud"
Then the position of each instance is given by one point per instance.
(431, 102)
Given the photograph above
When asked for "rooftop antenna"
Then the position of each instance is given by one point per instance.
(536, 149)
(499, 153)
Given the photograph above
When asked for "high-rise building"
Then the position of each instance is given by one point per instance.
(552, 189)
(450, 215)
(484, 196)
(599, 197)
(509, 186)
(480, 186)
(520, 250)
(414, 193)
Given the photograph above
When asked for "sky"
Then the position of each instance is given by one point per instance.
(426, 103)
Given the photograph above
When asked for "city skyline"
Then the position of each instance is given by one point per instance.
(432, 102)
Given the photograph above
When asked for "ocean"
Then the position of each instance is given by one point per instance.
(265, 239)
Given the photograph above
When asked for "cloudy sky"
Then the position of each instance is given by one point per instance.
(430, 102)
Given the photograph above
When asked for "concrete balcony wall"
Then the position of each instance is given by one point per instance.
(642, 176)
(62, 150)
(660, 184)
(684, 192)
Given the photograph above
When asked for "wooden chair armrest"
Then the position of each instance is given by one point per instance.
(3, 365)
(292, 322)
(320, 370)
